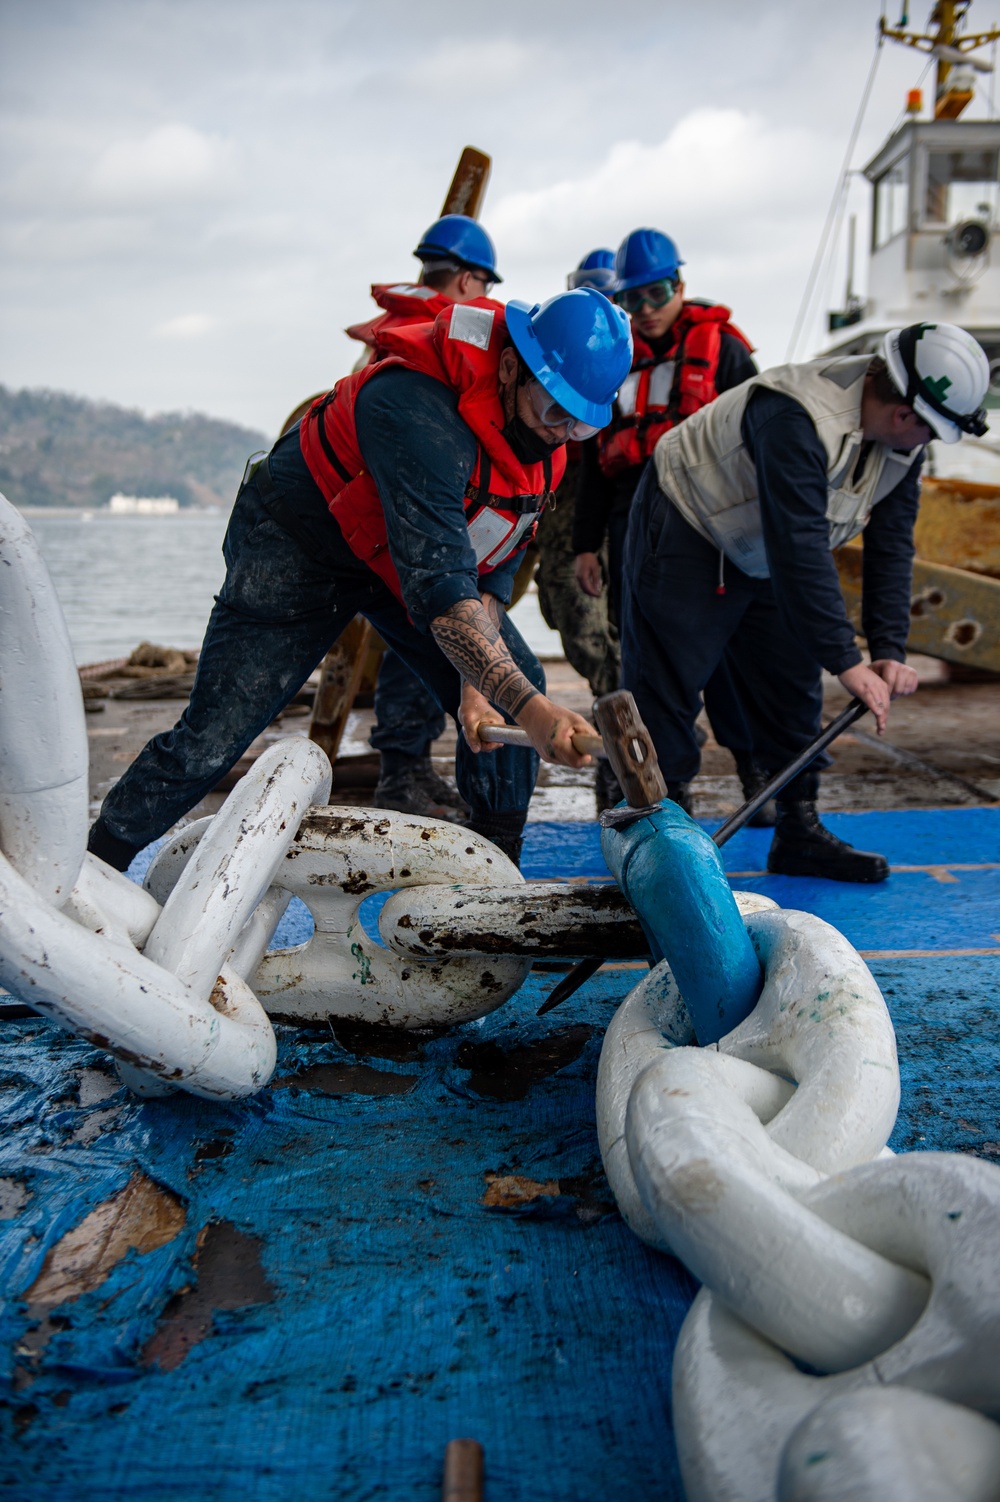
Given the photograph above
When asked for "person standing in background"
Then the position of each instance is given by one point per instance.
(589, 638)
(686, 352)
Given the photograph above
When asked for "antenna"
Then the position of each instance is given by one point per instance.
(949, 49)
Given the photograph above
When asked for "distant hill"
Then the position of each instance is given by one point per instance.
(59, 450)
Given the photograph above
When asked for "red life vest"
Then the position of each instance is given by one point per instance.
(503, 498)
(404, 303)
(661, 390)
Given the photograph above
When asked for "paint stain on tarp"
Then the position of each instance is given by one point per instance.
(14, 1195)
(366, 1040)
(229, 1275)
(140, 1217)
(95, 1085)
(585, 1197)
(346, 1079)
(508, 1191)
(508, 1074)
(211, 1151)
(95, 1124)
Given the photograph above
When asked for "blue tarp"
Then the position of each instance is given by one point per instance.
(381, 1272)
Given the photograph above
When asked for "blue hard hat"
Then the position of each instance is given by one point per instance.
(597, 269)
(646, 255)
(456, 237)
(579, 346)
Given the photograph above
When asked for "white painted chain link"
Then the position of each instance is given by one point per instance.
(341, 857)
(846, 1342)
(170, 979)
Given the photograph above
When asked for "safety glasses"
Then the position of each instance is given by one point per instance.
(551, 415)
(489, 282)
(601, 278)
(657, 294)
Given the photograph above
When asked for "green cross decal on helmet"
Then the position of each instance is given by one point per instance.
(943, 374)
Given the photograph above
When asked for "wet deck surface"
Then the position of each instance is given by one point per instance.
(952, 726)
(403, 1241)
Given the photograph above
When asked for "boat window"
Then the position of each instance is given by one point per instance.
(961, 185)
(891, 203)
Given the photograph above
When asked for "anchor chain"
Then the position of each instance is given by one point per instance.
(761, 1162)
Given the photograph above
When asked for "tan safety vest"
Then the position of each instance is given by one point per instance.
(704, 467)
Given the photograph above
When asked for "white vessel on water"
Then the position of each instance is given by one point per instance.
(935, 223)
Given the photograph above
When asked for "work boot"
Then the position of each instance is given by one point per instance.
(504, 829)
(752, 778)
(803, 847)
(438, 790)
(401, 786)
(607, 790)
(109, 848)
(680, 793)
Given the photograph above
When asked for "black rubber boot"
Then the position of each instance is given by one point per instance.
(680, 793)
(402, 786)
(803, 847)
(109, 848)
(438, 790)
(607, 789)
(505, 830)
(752, 778)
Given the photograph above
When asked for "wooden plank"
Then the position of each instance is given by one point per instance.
(954, 614)
(468, 186)
(339, 676)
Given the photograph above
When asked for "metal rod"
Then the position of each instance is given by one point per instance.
(463, 1471)
(584, 969)
(578, 976)
(736, 821)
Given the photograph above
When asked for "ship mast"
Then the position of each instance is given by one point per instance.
(953, 84)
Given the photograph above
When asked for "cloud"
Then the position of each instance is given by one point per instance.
(173, 162)
(186, 326)
(719, 178)
(741, 196)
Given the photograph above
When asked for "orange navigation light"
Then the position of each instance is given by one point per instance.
(914, 101)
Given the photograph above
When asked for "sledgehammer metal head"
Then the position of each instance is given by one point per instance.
(629, 749)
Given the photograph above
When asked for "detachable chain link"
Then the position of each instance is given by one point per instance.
(830, 1267)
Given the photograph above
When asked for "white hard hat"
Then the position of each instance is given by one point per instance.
(943, 374)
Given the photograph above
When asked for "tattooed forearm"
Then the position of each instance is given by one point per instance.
(493, 609)
(469, 636)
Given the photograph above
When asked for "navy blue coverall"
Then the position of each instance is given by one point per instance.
(602, 509)
(292, 585)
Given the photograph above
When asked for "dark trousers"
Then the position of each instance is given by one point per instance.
(723, 698)
(676, 630)
(407, 716)
(287, 596)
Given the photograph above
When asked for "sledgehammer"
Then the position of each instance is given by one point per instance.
(623, 739)
(626, 743)
(584, 969)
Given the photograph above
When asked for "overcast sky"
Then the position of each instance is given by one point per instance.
(196, 194)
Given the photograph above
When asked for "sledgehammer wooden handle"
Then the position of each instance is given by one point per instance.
(512, 735)
(624, 740)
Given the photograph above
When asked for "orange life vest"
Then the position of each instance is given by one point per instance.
(661, 390)
(404, 303)
(503, 498)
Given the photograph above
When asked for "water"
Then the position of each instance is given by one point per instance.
(126, 579)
